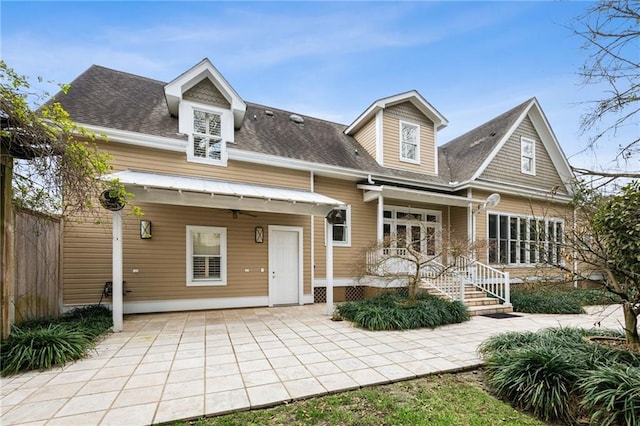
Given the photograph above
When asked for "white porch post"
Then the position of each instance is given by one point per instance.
(380, 218)
(329, 266)
(116, 275)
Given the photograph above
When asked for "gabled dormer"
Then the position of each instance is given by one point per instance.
(400, 132)
(208, 111)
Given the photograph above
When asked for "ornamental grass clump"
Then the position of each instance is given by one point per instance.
(612, 395)
(389, 311)
(44, 343)
(560, 375)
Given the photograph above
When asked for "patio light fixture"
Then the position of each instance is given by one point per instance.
(145, 229)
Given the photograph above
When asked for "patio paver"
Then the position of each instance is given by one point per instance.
(171, 366)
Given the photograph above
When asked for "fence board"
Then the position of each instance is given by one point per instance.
(37, 291)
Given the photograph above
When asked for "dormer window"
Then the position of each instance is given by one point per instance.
(210, 129)
(528, 156)
(207, 135)
(409, 142)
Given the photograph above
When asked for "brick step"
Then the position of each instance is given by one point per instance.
(489, 309)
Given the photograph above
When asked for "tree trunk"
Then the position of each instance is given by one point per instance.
(631, 326)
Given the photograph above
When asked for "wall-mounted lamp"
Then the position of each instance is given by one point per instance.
(145, 229)
(259, 234)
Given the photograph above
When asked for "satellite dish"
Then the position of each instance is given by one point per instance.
(492, 200)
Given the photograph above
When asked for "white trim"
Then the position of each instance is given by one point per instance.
(185, 120)
(174, 90)
(300, 232)
(412, 96)
(116, 264)
(380, 138)
(525, 141)
(138, 139)
(222, 281)
(371, 193)
(402, 158)
(194, 304)
(548, 139)
(347, 225)
(527, 218)
(519, 191)
(323, 169)
(500, 144)
(435, 150)
(337, 282)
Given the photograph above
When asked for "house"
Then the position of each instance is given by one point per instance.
(235, 195)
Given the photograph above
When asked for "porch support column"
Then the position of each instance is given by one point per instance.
(380, 218)
(329, 266)
(116, 275)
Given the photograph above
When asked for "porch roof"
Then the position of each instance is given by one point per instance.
(371, 193)
(202, 192)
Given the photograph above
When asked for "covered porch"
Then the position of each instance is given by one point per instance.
(431, 237)
(246, 245)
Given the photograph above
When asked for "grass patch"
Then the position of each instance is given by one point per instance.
(553, 300)
(560, 376)
(449, 399)
(44, 343)
(389, 311)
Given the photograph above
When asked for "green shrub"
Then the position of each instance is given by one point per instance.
(611, 395)
(42, 343)
(541, 371)
(544, 302)
(390, 311)
(41, 348)
(538, 378)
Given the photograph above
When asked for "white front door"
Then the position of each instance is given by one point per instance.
(285, 265)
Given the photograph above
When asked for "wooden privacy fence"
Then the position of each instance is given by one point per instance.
(38, 289)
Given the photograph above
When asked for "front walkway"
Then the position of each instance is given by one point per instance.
(172, 366)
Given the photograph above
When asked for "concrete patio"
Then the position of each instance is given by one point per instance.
(172, 366)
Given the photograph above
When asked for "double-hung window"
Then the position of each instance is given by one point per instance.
(528, 156)
(207, 135)
(206, 256)
(409, 142)
(342, 231)
(524, 240)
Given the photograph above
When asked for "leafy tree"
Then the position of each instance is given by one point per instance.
(616, 226)
(611, 33)
(58, 161)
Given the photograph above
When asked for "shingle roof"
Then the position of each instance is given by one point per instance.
(105, 97)
(108, 98)
(461, 157)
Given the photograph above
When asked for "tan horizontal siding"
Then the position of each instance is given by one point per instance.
(366, 137)
(506, 166)
(391, 138)
(161, 261)
(363, 229)
(169, 162)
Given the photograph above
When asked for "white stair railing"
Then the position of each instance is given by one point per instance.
(449, 280)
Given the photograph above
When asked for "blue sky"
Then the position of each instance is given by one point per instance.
(471, 60)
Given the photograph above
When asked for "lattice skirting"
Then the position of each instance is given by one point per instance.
(350, 294)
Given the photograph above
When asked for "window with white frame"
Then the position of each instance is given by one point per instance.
(528, 156)
(342, 231)
(206, 256)
(207, 135)
(419, 228)
(409, 142)
(521, 240)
